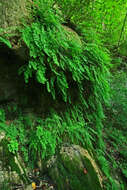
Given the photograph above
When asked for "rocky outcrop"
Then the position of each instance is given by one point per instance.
(74, 168)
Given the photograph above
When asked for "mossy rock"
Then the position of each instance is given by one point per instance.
(74, 169)
(72, 35)
(10, 166)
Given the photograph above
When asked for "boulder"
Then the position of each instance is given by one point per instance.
(74, 168)
(72, 35)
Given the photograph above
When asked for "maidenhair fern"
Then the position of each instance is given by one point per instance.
(73, 72)
(56, 62)
(44, 137)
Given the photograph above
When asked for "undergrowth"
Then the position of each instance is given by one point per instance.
(35, 137)
(115, 126)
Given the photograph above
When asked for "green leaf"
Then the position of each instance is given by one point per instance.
(41, 76)
(5, 41)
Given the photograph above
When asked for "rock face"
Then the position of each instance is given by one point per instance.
(7, 82)
(13, 89)
(74, 169)
(11, 13)
(11, 169)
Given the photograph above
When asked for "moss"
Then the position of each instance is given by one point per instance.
(72, 170)
(8, 160)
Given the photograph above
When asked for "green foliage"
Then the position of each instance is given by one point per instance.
(123, 49)
(99, 16)
(118, 105)
(5, 185)
(41, 137)
(70, 7)
(115, 127)
(107, 20)
(2, 115)
(58, 61)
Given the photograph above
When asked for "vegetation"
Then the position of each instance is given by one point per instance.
(86, 105)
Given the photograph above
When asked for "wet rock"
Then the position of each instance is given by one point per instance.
(74, 168)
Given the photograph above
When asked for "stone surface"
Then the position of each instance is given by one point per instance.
(72, 35)
(74, 168)
(10, 82)
(11, 167)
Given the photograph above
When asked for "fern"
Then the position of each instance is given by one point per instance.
(47, 135)
(6, 42)
(76, 74)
